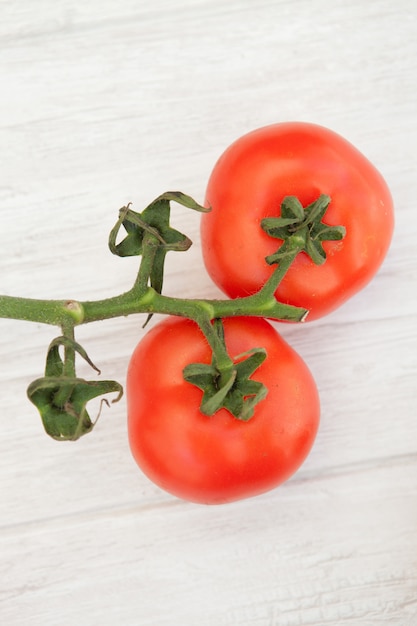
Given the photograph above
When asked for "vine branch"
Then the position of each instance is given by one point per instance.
(61, 397)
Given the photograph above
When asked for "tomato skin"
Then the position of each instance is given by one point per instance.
(249, 182)
(217, 459)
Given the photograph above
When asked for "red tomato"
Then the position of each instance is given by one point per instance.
(249, 182)
(220, 458)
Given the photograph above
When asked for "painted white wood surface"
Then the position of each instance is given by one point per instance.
(108, 102)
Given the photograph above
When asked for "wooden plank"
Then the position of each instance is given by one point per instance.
(105, 103)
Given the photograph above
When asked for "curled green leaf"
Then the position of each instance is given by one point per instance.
(62, 398)
(150, 235)
(154, 220)
(62, 402)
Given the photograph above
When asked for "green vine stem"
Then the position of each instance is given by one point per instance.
(299, 229)
(61, 396)
(59, 312)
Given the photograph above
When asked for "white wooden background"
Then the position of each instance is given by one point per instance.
(106, 102)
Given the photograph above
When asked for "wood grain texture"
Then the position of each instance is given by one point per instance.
(105, 103)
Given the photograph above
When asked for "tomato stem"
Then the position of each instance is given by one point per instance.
(53, 312)
(150, 236)
(150, 246)
(272, 284)
(69, 359)
(60, 312)
(61, 397)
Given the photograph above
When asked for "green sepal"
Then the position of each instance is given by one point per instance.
(302, 229)
(231, 388)
(206, 378)
(155, 221)
(68, 418)
(55, 365)
(150, 234)
(61, 400)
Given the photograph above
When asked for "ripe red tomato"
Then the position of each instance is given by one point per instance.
(249, 182)
(220, 458)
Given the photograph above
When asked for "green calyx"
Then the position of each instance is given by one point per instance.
(151, 230)
(61, 397)
(228, 385)
(301, 229)
(150, 235)
(154, 221)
